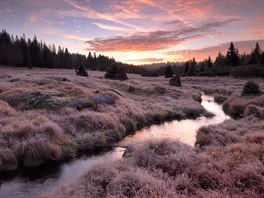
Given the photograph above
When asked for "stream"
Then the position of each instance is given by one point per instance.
(32, 182)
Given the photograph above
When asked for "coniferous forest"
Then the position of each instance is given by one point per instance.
(22, 52)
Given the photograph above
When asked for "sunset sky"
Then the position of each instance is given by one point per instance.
(139, 31)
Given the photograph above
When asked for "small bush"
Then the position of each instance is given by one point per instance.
(175, 81)
(81, 71)
(251, 88)
(236, 108)
(131, 89)
(116, 72)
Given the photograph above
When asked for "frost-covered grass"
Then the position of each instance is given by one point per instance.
(35, 129)
(227, 161)
(172, 169)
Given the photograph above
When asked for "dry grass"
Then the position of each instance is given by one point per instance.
(228, 161)
(172, 169)
(39, 104)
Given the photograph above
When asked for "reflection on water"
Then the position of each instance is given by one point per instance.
(184, 130)
(36, 181)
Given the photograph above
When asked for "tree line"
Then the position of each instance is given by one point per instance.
(223, 64)
(22, 52)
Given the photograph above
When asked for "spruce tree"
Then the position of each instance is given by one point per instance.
(257, 50)
(168, 72)
(255, 56)
(91, 64)
(47, 56)
(186, 68)
(209, 63)
(35, 53)
(5, 48)
(232, 55)
(220, 60)
(193, 70)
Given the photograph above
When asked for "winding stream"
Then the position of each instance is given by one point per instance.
(36, 181)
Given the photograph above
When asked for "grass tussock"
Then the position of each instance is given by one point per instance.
(6, 110)
(34, 152)
(228, 161)
(172, 169)
(7, 160)
(238, 107)
(40, 106)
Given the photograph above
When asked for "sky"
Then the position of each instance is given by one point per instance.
(139, 31)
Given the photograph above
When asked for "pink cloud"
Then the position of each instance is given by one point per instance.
(156, 40)
(74, 37)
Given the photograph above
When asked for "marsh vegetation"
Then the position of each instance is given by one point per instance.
(49, 118)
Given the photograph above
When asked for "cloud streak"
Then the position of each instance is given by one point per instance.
(78, 38)
(111, 27)
(155, 40)
(147, 60)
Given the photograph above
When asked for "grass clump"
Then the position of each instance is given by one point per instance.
(250, 88)
(131, 88)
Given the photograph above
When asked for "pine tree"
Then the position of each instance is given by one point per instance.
(255, 56)
(67, 59)
(186, 67)
(95, 61)
(26, 61)
(91, 62)
(168, 72)
(35, 53)
(257, 50)
(47, 56)
(209, 63)
(220, 60)
(193, 69)
(202, 67)
(232, 56)
(61, 57)
(5, 48)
